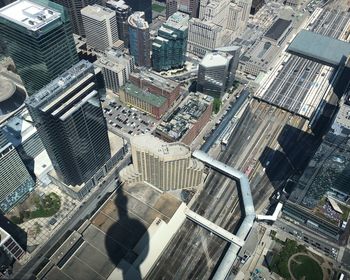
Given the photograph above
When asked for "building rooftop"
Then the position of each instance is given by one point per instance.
(319, 48)
(120, 4)
(114, 60)
(19, 128)
(155, 100)
(97, 12)
(137, 20)
(213, 59)
(178, 21)
(181, 120)
(278, 28)
(60, 83)
(159, 147)
(29, 14)
(157, 80)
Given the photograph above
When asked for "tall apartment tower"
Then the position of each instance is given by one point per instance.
(167, 166)
(100, 25)
(116, 67)
(15, 180)
(169, 47)
(141, 6)
(235, 14)
(209, 31)
(171, 7)
(216, 71)
(246, 6)
(74, 7)
(28, 30)
(190, 7)
(69, 118)
(122, 12)
(139, 39)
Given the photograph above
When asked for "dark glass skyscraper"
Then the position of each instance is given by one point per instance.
(38, 36)
(122, 12)
(15, 180)
(139, 39)
(143, 6)
(69, 118)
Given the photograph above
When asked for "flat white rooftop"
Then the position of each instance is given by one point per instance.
(29, 14)
(214, 59)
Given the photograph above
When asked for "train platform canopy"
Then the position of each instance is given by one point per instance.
(319, 48)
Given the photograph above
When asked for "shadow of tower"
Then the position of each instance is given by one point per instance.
(127, 240)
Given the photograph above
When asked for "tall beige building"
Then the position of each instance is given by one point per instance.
(167, 166)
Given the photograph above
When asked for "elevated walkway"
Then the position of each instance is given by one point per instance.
(219, 231)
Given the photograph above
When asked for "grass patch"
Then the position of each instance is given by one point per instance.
(45, 206)
(279, 262)
(157, 8)
(345, 210)
(304, 267)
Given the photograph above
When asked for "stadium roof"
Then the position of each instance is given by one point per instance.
(322, 49)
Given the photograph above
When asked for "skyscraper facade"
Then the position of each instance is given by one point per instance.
(74, 7)
(169, 47)
(171, 8)
(15, 180)
(190, 7)
(167, 166)
(142, 6)
(69, 118)
(122, 12)
(100, 25)
(39, 39)
(139, 39)
(216, 71)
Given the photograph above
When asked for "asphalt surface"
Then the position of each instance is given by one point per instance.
(290, 89)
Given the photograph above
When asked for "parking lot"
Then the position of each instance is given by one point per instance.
(126, 119)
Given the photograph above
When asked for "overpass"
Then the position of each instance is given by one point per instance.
(249, 213)
(219, 231)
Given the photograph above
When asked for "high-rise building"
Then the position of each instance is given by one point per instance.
(69, 118)
(29, 30)
(122, 12)
(169, 47)
(171, 8)
(167, 166)
(74, 7)
(210, 30)
(116, 68)
(141, 6)
(139, 39)
(258, 4)
(190, 7)
(217, 70)
(15, 180)
(10, 245)
(246, 6)
(234, 21)
(100, 25)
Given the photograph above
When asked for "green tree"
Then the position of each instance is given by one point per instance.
(216, 105)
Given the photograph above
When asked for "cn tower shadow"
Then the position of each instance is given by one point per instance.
(127, 240)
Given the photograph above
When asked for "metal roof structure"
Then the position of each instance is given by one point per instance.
(277, 29)
(319, 48)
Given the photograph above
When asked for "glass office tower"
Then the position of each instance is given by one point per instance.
(15, 180)
(169, 47)
(69, 118)
(38, 36)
